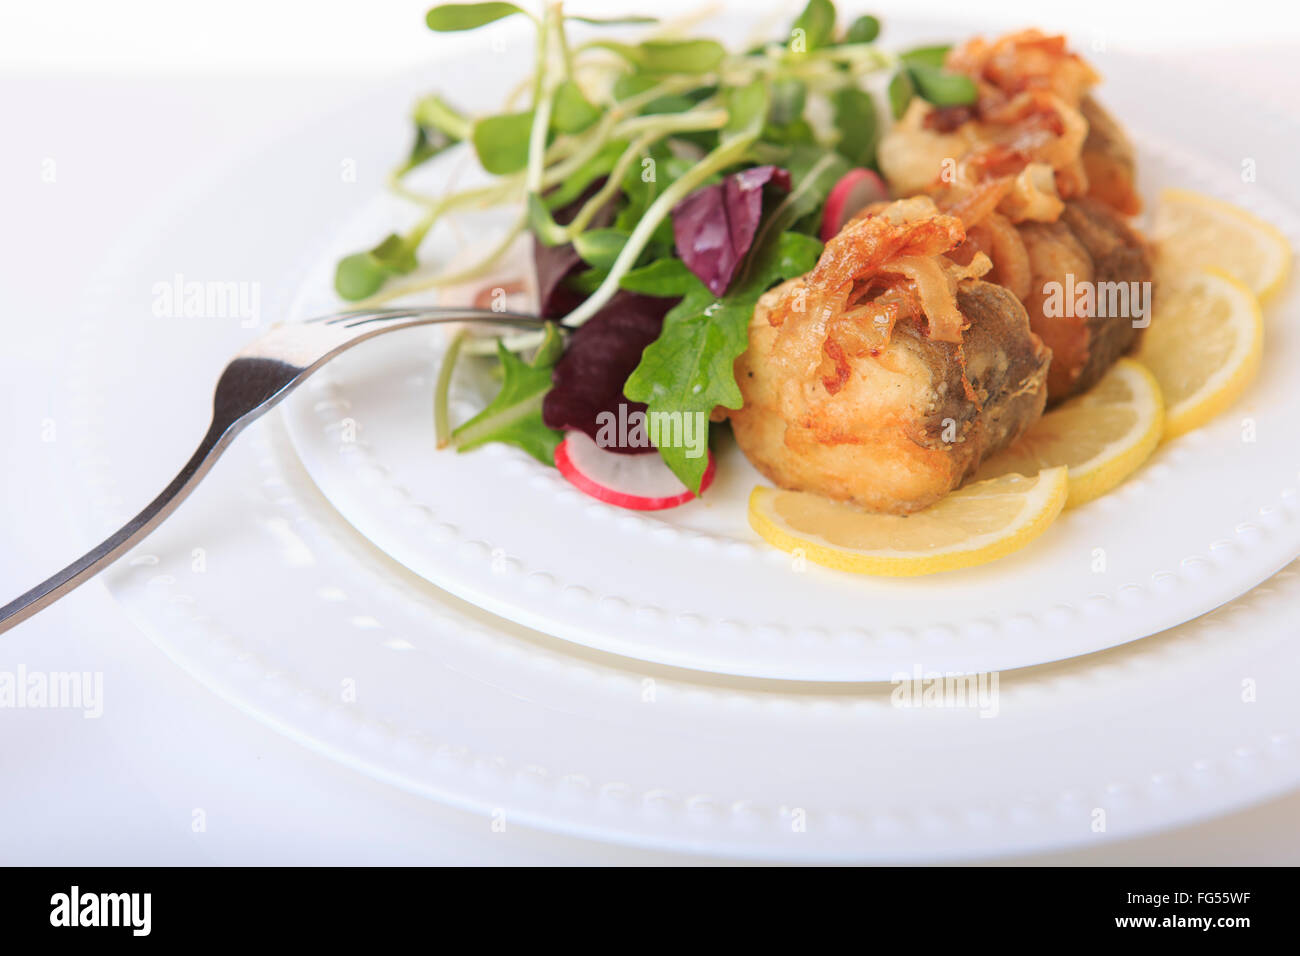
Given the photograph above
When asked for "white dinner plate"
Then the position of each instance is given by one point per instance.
(334, 644)
(1209, 516)
(270, 597)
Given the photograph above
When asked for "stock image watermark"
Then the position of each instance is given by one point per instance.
(637, 429)
(182, 298)
(75, 908)
(1085, 299)
(53, 690)
(922, 689)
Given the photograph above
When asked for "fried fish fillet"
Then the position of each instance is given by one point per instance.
(1042, 178)
(891, 419)
(1090, 245)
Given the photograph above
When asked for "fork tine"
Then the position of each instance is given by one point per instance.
(340, 318)
(351, 318)
(345, 314)
(453, 315)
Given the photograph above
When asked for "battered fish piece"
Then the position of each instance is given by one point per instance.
(1028, 129)
(1041, 177)
(1090, 243)
(858, 387)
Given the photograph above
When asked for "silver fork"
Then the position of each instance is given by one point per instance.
(256, 380)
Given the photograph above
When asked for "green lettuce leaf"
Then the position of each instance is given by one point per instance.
(690, 367)
(515, 415)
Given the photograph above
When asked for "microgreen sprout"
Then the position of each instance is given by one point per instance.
(599, 148)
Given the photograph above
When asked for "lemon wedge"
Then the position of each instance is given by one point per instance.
(1194, 232)
(976, 524)
(1102, 436)
(1204, 347)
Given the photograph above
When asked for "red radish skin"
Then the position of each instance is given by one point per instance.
(623, 499)
(856, 189)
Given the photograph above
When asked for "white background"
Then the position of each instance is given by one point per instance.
(131, 98)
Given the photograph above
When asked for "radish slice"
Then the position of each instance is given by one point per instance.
(857, 189)
(640, 482)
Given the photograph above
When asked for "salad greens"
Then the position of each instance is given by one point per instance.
(667, 178)
(689, 368)
(514, 416)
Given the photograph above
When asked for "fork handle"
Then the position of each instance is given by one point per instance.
(219, 436)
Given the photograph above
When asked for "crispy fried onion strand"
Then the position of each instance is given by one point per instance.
(1026, 125)
(882, 268)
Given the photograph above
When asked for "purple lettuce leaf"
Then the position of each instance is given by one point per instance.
(601, 354)
(714, 226)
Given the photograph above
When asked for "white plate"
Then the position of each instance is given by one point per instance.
(1211, 515)
(335, 645)
(270, 599)
(267, 596)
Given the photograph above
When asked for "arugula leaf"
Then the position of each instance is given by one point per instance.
(515, 415)
(667, 278)
(454, 17)
(690, 367)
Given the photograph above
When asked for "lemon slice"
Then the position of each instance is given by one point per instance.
(1203, 346)
(1102, 436)
(976, 524)
(1194, 232)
